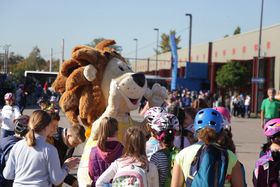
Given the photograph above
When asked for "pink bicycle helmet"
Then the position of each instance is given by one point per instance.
(152, 113)
(225, 114)
(165, 121)
(272, 127)
(9, 96)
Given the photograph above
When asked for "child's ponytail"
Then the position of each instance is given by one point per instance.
(30, 138)
(208, 135)
(167, 137)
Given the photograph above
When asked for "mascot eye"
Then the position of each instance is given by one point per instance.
(121, 68)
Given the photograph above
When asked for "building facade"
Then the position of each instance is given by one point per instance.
(241, 47)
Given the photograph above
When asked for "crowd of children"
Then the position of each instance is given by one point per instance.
(175, 146)
(34, 151)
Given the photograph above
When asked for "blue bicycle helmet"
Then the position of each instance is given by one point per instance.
(208, 117)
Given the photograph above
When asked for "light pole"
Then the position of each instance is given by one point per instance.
(136, 50)
(62, 54)
(51, 60)
(6, 57)
(190, 36)
(258, 62)
(156, 73)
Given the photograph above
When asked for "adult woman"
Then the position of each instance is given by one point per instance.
(34, 162)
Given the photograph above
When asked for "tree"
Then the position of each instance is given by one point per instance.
(232, 76)
(95, 41)
(15, 58)
(237, 30)
(19, 70)
(34, 61)
(164, 43)
(55, 65)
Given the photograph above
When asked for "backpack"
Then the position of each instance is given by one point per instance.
(3, 154)
(171, 154)
(130, 175)
(266, 172)
(209, 167)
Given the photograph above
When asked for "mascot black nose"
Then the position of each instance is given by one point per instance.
(139, 78)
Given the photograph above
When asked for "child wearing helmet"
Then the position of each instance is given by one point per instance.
(6, 144)
(272, 132)
(225, 139)
(266, 172)
(53, 104)
(208, 127)
(9, 113)
(165, 126)
(152, 145)
(43, 103)
(185, 136)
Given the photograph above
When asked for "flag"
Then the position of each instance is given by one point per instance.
(174, 61)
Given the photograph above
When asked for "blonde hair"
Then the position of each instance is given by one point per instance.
(135, 145)
(208, 135)
(108, 128)
(38, 121)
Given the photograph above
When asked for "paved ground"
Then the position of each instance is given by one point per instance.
(247, 135)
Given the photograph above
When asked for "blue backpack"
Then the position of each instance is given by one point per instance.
(209, 167)
(3, 155)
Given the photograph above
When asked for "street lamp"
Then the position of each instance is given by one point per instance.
(190, 36)
(259, 56)
(136, 49)
(156, 29)
(6, 57)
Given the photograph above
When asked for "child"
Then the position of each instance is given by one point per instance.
(226, 140)
(108, 149)
(152, 145)
(53, 104)
(8, 142)
(21, 129)
(226, 116)
(65, 140)
(55, 118)
(34, 162)
(185, 136)
(9, 113)
(267, 168)
(165, 125)
(43, 103)
(207, 125)
(134, 157)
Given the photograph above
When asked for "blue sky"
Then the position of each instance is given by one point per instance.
(27, 23)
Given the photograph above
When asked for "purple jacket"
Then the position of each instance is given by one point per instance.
(99, 160)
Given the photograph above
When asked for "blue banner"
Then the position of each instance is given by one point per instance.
(174, 63)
